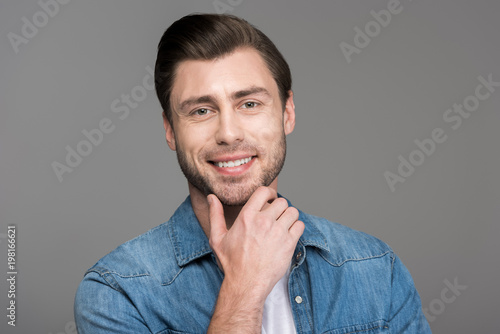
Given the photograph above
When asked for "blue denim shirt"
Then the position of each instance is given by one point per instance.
(167, 281)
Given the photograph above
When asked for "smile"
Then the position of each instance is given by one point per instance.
(233, 163)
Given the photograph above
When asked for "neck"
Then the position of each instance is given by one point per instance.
(201, 208)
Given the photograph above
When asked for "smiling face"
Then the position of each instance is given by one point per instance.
(229, 127)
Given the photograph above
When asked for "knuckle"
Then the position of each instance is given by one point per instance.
(281, 201)
(297, 229)
(293, 212)
(212, 243)
(301, 226)
(246, 215)
(215, 242)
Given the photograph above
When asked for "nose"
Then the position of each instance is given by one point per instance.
(229, 129)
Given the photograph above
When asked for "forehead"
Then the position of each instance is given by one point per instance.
(239, 70)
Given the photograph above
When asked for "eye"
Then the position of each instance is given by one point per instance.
(249, 104)
(201, 112)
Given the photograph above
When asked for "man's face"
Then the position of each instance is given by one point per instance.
(229, 127)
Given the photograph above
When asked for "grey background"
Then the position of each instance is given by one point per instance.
(353, 121)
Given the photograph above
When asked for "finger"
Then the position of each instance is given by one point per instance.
(296, 230)
(277, 207)
(260, 197)
(289, 217)
(217, 221)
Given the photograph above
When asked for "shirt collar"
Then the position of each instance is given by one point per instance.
(188, 238)
(312, 236)
(190, 242)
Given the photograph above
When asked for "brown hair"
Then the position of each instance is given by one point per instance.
(207, 37)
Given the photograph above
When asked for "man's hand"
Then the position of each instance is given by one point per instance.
(254, 253)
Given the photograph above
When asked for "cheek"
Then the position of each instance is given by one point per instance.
(268, 139)
(271, 130)
(187, 142)
(193, 140)
(268, 134)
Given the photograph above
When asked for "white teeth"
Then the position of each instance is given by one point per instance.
(234, 163)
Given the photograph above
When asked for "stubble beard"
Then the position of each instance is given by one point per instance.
(231, 191)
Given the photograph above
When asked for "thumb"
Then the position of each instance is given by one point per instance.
(216, 217)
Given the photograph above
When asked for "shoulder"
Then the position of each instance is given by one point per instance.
(140, 256)
(343, 244)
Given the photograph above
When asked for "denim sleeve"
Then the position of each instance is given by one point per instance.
(406, 314)
(101, 307)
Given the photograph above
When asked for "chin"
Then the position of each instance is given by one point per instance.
(235, 194)
(234, 197)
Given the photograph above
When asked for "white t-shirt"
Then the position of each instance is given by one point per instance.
(277, 317)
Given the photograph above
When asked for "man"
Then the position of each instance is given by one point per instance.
(236, 257)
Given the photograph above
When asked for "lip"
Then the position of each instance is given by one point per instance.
(233, 171)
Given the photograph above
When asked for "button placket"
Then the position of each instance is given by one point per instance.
(298, 295)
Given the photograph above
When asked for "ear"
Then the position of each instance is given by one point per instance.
(169, 132)
(289, 114)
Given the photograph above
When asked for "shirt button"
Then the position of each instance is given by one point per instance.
(299, 254)
(298, 299)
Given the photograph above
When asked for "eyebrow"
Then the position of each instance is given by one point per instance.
(234, 96)
(252, 90)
